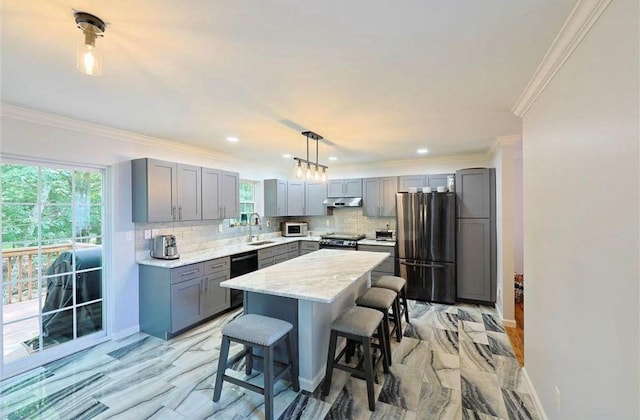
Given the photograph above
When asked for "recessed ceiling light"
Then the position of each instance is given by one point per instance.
(422, 151)
(286, 156)
(232, 139)
(333, 158)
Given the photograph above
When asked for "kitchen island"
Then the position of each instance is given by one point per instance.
(309, 292)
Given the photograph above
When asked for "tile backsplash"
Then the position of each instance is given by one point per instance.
(192, 236)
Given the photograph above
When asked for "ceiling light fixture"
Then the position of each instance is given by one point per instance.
(307, 171)
(286, 156)
(333, 158)
(422, 151)
(88, 57)
(232, 139)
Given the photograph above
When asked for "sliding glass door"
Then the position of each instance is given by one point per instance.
(52, 257)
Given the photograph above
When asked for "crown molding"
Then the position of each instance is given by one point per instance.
(57, 121)
(502, 141)
(581, 19)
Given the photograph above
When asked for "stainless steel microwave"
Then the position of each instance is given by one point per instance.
(294, 229)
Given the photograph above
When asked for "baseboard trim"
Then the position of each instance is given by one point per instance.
(534, 395)
(125, 333)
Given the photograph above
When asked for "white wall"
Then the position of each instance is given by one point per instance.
(581, 208)
(518, 240)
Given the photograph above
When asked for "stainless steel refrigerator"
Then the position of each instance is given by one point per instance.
(426, 234)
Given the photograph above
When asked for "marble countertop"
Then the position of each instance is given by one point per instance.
(320, 276)
(194, 257)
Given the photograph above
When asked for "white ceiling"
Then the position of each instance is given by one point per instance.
(377, 79)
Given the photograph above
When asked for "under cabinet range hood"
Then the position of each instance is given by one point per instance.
(343, 202)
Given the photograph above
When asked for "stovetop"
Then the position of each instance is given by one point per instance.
(344, 236)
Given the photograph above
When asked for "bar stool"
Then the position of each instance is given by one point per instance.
(260, 332)
(383, 300)
(357, 324)
(398, 285)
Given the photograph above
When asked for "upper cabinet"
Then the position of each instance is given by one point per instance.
(275, 197)
(295, 198)
(165, 191)
(337, 188)
(474, 193)
(379, 196)
(315, 194)
(220, 194)
(169, 191)
(418, 181)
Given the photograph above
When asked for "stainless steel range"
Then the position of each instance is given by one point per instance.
(345, 241)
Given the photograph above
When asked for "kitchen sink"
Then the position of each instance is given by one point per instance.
(261, 243)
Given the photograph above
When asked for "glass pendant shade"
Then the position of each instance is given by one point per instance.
(299, 172)
(88, 56)
(323, 177)
(316, 174)
(309, 173)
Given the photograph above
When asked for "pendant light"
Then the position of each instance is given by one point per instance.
(88, 57)
(312, 172)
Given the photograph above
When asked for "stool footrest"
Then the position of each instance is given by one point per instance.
(246, 385)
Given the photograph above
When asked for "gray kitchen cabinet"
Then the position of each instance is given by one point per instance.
(186, 304)
(387, 267)
(230, 195)
(474, 279)
(275, 197)
(308, 246)
(165, 191)
(272, 255)
(220, 194)
(315, 194)
(476, 239)
(337, 188)
(379, 196)
(474, 192)
(418, 181)
(171, 300)
(295, 198)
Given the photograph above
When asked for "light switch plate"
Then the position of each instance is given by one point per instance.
(220, 227)
(147, 234)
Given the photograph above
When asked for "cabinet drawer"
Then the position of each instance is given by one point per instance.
(280, 249)
(187, 272)
(309, 246)
(266, 262)
(293, 246)
(293, 254)
(280, 258)
(265, 253)
(217, 265)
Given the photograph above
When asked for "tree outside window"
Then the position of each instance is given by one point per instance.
(247, 201)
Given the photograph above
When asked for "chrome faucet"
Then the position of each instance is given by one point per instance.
(251, 224)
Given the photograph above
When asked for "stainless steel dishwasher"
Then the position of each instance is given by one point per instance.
(242, 264)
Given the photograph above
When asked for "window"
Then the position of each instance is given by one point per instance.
(52, 235)
(247, 200)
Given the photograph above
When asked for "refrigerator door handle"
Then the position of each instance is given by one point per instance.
(418, 264)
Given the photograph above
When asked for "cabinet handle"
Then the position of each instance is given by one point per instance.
(180, 213)
(224, 211)
(217, 266)
(173, 212)
(206, 285)
(188, 273)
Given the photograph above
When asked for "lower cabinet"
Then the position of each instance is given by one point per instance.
(171, 300)
(387, 267)
(475, 280)
(308, 246)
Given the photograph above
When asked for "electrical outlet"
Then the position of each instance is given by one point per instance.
(327, 223)
(557, 397)
(268, 223)
(220, 228)
(147, 234)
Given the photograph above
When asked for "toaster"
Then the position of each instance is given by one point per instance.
(165, 247)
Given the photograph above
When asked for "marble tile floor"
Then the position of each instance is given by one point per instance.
(454, 362)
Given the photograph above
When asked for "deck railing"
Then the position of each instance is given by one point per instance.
(20, 269)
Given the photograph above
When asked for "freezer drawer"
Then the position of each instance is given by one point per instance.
(429, 281)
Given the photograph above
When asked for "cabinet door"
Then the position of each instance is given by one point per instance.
(388, 190)
(295, 198)
(353, 187)
(474, 260)
(281, 198)
(161, 191)
(371, 197)
(437, 180)
(411, 181)
(186, 303)
(230, 195)
(216, 298)
(266, 262)
(473, 191)
(315, 194)
(211, 181)
(335, 188)
(275, 197)
(189, 192)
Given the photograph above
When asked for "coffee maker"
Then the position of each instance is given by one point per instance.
(165, 247)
